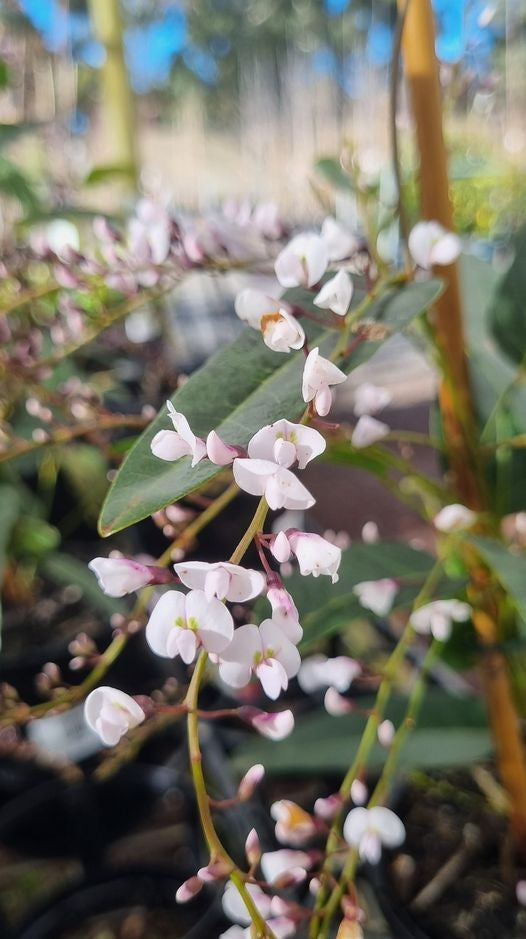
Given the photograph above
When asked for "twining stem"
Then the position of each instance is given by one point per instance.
(22, 714)
(368, 741)
(382, 787)
(217, 852)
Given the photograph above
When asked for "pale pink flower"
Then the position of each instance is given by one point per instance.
(188, 890)
(455, 517)
(110, 713)
(327, 808)
(385, 733)
(318, 671)
(335, 704)
(303, 262)
(340, 242)
(315, 554)
(173, 444)
(520, 892)
(349, 929)
(336, 294)
(236, 910)
(280, 547)
(293, 824)
(119, 576)
(369, 399)
(369, 829)
(280, 329)
(181, 624)
(431, 244)
(253, 848)
(285, 443)
(284, 613)
(318, 375)
(263, 650)
(221, 579)
(377, 595)
(370, 533)
(267, 219)
(250, 781)
(281, 488)
(275, 725)
(359, 792)
(276, 864)
(215, 870)
(218, 452)
(437, 617)
(368, 431)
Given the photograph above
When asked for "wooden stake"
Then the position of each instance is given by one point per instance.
(421, 70)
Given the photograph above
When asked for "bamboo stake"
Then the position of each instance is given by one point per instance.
(421, 70)
(117, 99)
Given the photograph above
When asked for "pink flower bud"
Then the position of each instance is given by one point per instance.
(335, 704)
(250, 781)
(280, 547)
(328, 808)
(119, 576)
(276, 725)
(386, 732)
(359, 792)
(189, 889)
(219, 452)
(253, 848)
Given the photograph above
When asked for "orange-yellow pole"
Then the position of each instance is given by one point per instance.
(422, 75)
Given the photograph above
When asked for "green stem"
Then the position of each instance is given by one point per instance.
(367, 743)
(217, 851)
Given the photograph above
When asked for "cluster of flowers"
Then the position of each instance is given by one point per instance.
(181, 624)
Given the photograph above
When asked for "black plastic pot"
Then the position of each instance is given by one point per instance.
(397, 915)
(121, 891)
(54, 819)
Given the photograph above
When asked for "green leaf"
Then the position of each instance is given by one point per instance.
(506, 315)
(108, 173)
(10, 506)
(243, 387)
(333, 173)
(450, 732)
(63, 569)
(10, 132)
(14, 184)
(510, 569)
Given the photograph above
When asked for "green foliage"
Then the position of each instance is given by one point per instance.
(15, 185)
(506, 314)
(510, 569)
(240, 389)
(451, 731)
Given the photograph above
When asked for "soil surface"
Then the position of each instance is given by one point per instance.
(456, 877)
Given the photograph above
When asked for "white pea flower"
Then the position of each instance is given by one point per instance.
(340, 242)
(285, 443)
(181, 624)
(335, 704)
(376, 595)
(369, 398)
(369, 829)
(221, 579)
(267, 219)
(336, 294)
(263, 650)
(293, 824)
(275, 725)
(318, 671)
(431, 244)
(281, 488)
(454, 517)
(111, 713)
(368, 431)
(437, 617)
(303, 262)
(173, 444)
(280, 329)
(318, 375)
(315, 554)
(284, 613)
(119, 576)
(276, 864)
